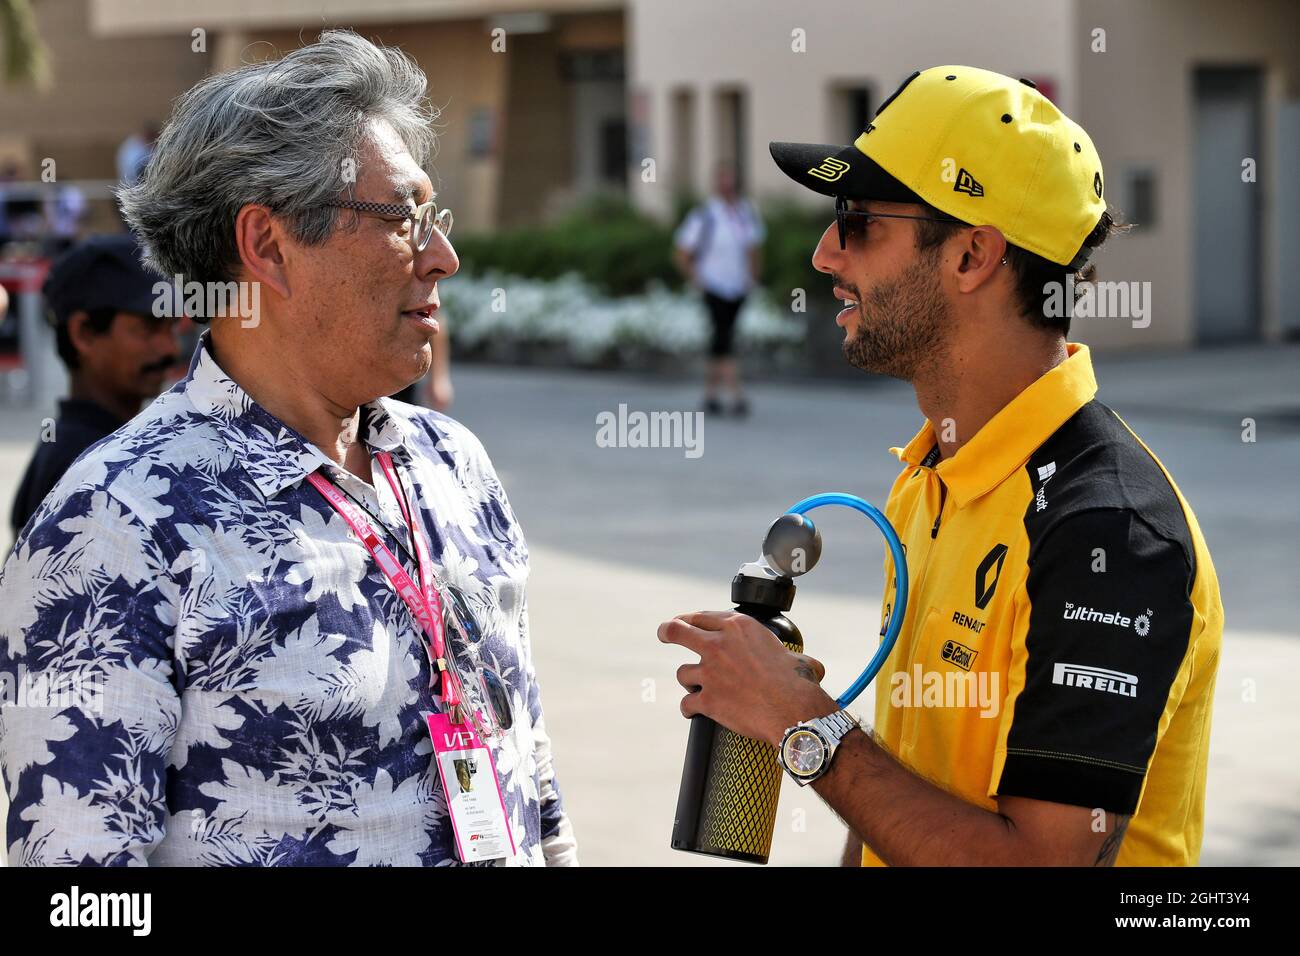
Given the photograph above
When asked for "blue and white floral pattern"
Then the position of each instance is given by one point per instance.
(252, 691)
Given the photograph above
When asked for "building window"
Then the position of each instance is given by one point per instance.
(1140, 197)
(613, 151)
(732, 133)
(855, 111)
(683, 142)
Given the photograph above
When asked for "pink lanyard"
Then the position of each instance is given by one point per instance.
(424, 602)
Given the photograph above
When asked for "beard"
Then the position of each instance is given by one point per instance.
(902, 323)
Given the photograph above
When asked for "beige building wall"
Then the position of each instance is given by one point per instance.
(142, 17)
(1138, 106)
(712, 48)
(464, 75)
(1136, 100)
(514, 102)
(102, 90)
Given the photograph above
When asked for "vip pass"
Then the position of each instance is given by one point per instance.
(465, 765)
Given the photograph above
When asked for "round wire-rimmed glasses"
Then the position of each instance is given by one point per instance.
(425, 217)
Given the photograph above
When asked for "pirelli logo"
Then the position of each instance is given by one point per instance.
(829, 169)
(1095, 678)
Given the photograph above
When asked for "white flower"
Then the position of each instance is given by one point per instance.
(25, 736)
(142, 492)
(203, 718)
(53, 838)
(384, 820)
(301, 670)
(143, 692)
(382, 677)
(568, 311)
(272, 808)
(107, 538)
(333, 570)
(222, 557)
(21, 583)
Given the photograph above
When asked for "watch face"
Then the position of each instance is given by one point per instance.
(804, 752)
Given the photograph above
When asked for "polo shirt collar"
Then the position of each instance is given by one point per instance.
(1010, 437)
(275, 455)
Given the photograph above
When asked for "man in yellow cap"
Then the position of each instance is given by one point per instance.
(1049, 697)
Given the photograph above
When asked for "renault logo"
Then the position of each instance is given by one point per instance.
(983, 587)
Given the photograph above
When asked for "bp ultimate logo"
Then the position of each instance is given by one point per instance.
(1141, 623)
(1095, 678)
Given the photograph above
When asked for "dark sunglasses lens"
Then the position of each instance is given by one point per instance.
(456, 611)
(499, 697)
(853, 228)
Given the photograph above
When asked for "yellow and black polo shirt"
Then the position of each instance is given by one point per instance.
(1062, 631)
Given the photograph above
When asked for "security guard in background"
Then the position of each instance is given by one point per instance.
(101, 302)
(1049, 697)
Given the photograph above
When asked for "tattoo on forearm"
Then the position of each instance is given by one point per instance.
(1110, 847)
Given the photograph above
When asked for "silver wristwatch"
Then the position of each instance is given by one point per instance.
(807, 747)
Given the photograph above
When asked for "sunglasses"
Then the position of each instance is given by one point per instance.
(488, 694)
(853, 222)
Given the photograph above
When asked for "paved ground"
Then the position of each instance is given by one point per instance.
(624, 538)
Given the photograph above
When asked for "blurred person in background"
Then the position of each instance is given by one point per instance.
(133, 155)
(248, 545)
(718, 248)
(117, 353)
(21, 215)
(64, 208)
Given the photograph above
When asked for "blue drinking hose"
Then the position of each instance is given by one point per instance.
(898, 611)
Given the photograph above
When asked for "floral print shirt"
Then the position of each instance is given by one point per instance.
(200, 663)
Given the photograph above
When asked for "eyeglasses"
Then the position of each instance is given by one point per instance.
(847, 225)
(426, 217)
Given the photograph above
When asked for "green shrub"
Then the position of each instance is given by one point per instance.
(621, 251)
(615, 248)
(792, 235)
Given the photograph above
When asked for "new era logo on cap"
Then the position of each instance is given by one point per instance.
(968, 184)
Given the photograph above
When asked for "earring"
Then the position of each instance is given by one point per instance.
(1004, 260)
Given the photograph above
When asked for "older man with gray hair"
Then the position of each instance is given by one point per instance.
(277, 618)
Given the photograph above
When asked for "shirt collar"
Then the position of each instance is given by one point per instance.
(1007, 439)
(275, 455)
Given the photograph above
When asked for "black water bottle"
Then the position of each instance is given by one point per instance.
(726, 805)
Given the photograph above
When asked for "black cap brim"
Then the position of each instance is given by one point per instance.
(839, 171)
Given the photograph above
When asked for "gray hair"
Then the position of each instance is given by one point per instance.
(276, 134)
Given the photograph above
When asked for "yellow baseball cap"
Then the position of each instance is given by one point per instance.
(977, 145)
